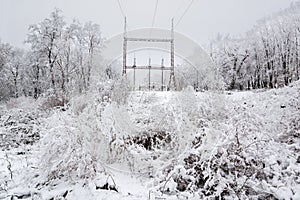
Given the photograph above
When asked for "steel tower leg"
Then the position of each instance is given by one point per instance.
(124, 48)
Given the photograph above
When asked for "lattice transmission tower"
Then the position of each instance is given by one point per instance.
(150, 67)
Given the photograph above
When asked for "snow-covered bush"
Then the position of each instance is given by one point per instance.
(53, 101)
(18, 127)
(74, 143)
(240, 157)
(78, 140)
(120, 91)
(68, 155)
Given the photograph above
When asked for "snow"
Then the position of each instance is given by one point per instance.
(90, 143)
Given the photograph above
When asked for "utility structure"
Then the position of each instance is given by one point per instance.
(150, 67)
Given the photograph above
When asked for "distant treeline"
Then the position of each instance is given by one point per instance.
(59, 62)
(265, 57)
(61, 56)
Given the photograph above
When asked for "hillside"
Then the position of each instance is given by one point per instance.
(173, 145)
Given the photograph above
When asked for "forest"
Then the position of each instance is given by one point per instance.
(59, 61)
(61, 56)
(267, 56)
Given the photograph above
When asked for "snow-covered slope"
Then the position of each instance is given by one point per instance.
(171, 145)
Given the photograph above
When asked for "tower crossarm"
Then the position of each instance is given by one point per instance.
(147, 67)
(148, 40)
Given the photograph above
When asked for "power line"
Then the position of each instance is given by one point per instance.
(186, 10)
(120, 6)
(153, 20)
(154, 15)
(178, 8)
(123, 13)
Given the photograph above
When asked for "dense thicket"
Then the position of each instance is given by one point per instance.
(60, 59)
(265, 57)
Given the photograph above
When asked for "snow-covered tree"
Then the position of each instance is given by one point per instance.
(265, 57)
(45, 39)
(68, 52)
(5, 50)
(12, 71)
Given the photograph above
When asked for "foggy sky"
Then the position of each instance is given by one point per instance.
(204, 20)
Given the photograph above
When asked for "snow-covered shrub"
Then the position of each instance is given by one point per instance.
(238, 158)
(227, 173)
(18, 127)
(239, 151)
(120, 91)
(4, 91)
(53, 101)
(105, 90)
(188, 101)
(116, 125)
(68, 154)
(151, 140)
(89, 133)
(79, 103)
(74, 143)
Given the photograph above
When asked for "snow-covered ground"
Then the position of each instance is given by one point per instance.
(158, 145)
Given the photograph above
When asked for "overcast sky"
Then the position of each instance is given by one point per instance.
(203, 21)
